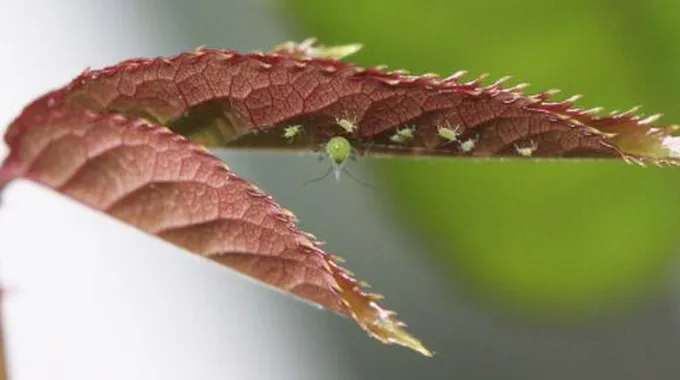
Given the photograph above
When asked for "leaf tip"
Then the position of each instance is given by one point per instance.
(387, 329)
(378, 322)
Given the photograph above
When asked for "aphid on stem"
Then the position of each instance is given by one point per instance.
(291, 131)
(403, 135)
(527, 151)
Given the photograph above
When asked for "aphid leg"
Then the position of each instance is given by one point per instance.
(320, 178)
(320, 151)
(320, 156)
(342, 167)
(354, 154)
(336, 168)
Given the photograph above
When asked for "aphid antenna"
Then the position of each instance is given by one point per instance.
(336, 169)
(354, 154)
(355, 178)
(320, 178)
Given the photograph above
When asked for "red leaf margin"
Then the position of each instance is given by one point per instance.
(251, 96)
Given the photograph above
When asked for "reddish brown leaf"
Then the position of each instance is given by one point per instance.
(159, 181)
(225, 98)
(101, 140)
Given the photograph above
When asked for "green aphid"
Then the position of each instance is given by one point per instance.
(449, 134)
(291, 131)
(403, 135)
(339, 150)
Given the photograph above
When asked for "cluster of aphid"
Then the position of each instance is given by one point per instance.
(451, 135)
(447, 133)
(338, 149)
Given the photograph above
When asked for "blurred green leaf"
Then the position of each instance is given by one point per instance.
(566, 238)
(559, 236)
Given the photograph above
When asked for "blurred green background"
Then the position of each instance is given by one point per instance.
(508, 270)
